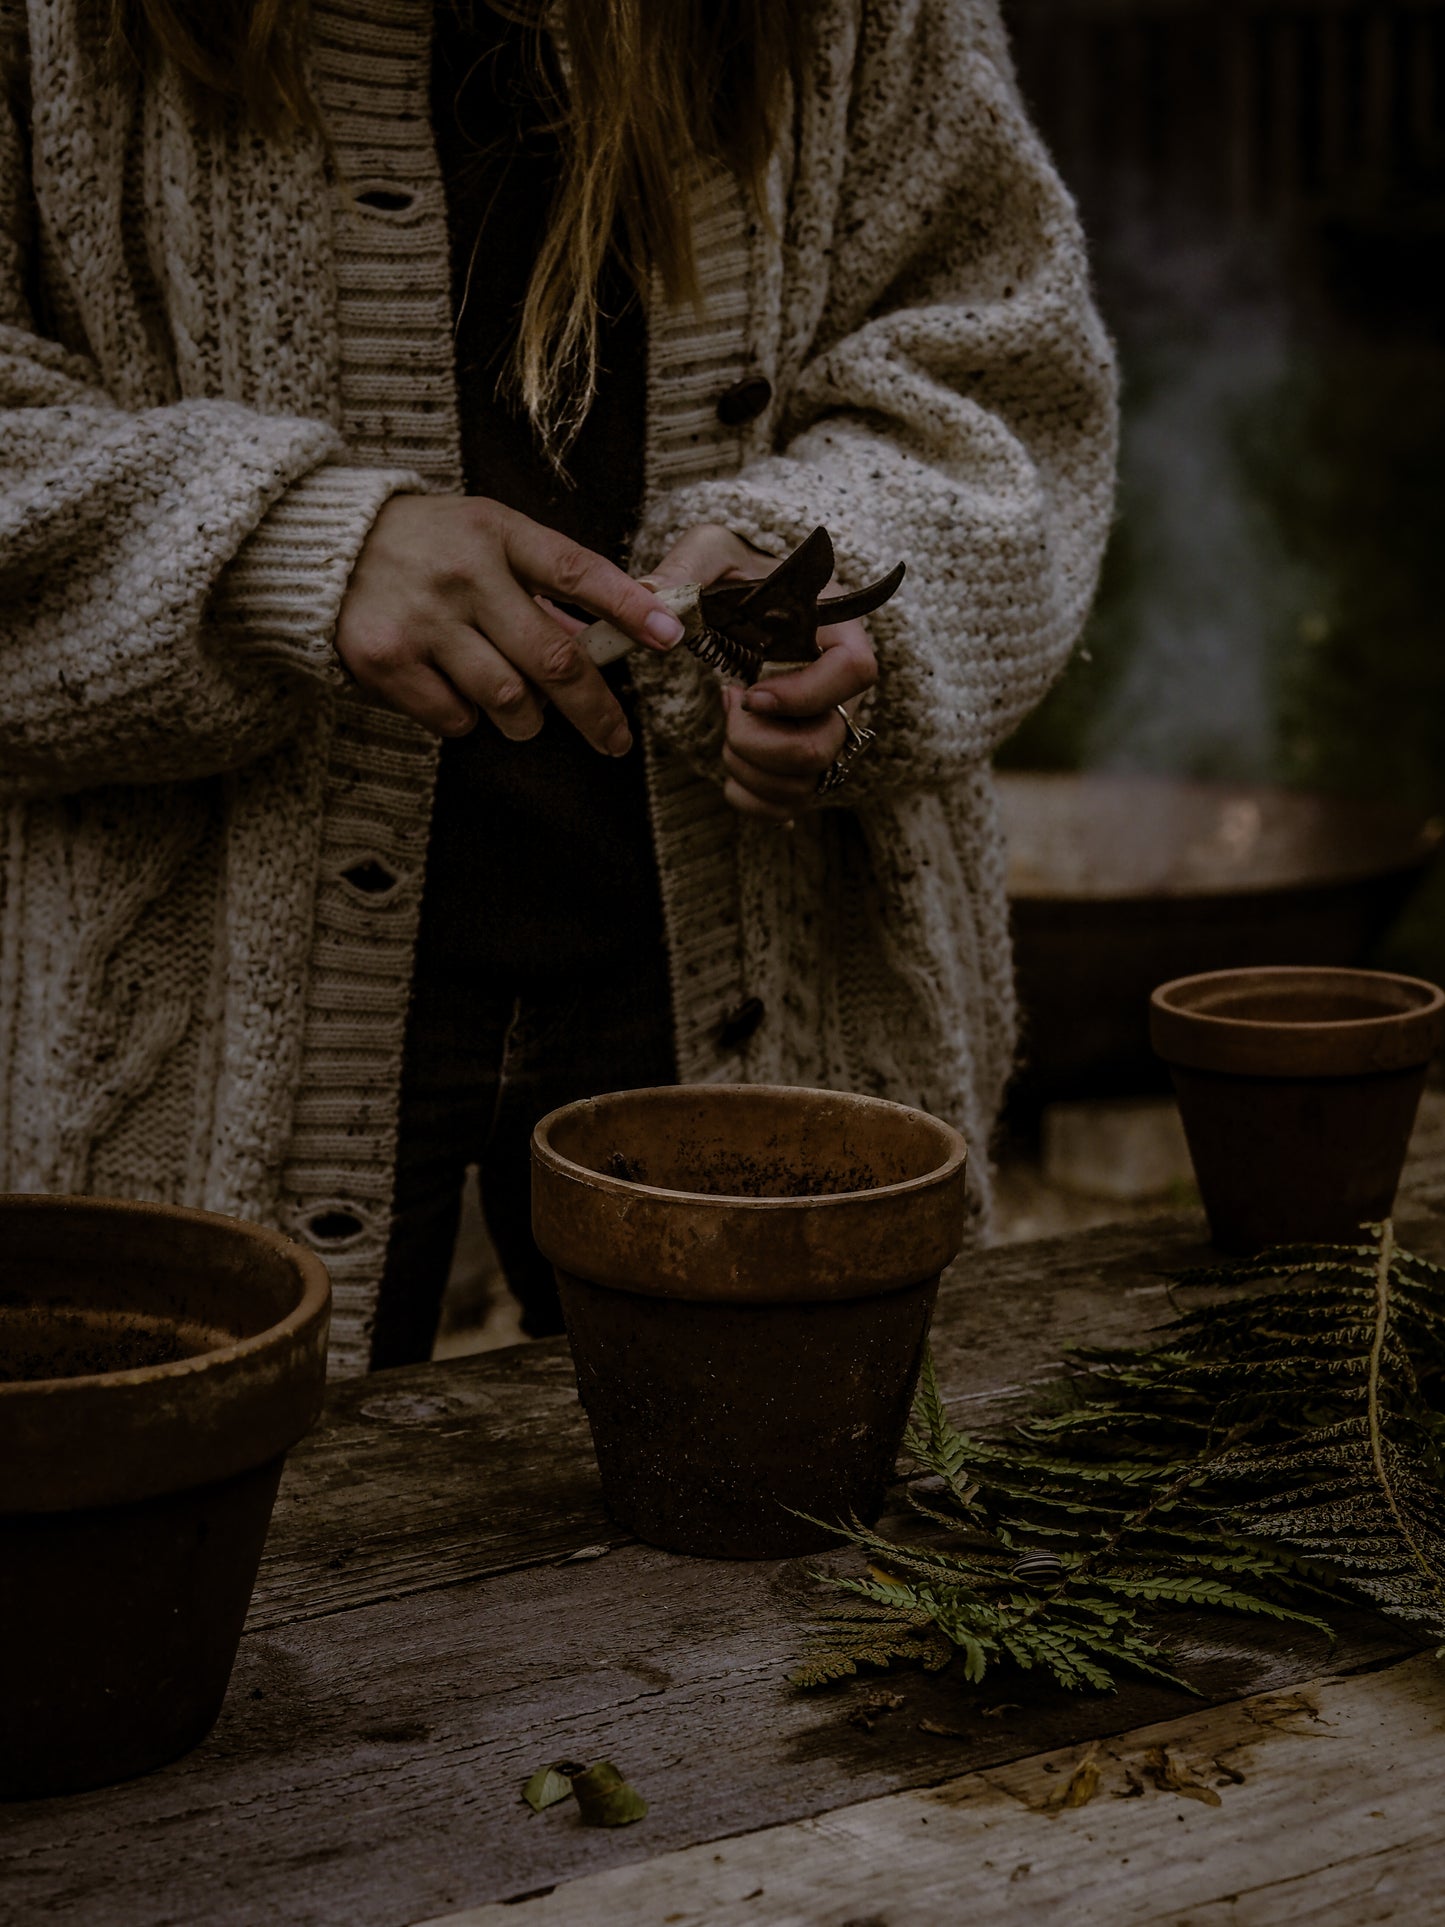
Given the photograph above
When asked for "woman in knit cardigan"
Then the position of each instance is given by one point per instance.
(343, 363)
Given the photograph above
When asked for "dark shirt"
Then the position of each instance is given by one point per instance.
(541, 858)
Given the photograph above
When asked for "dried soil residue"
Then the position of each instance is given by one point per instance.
(73, 1342)
(740, 1174)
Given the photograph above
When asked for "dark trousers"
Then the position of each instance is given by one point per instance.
(483, 1064)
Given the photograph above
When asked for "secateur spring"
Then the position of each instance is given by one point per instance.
(722, 652)
(717, 650)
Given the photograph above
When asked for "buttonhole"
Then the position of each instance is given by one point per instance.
(741, 1024)
(329, 1227)
(370, 876)
(386, 200)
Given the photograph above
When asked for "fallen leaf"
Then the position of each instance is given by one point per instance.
(546, 1787)
(1077, 1791)
(877, 1706)
(605, 1799)
(1174, 1776)
(1279, 1707)
(948, 1732)
(1133, 1787)
(997, 1712)
(584, 1552)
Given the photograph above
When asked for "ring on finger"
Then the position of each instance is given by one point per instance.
(855, 742)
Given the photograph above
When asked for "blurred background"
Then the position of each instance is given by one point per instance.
(1263, 186)
(1245, 763)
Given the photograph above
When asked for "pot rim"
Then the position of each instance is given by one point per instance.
(312, 1303)
(1280, 1047)
(1415, 847)
(660, 1243)
(626, 1187)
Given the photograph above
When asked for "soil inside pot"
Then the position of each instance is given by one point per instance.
(76, 1305)
(79, 1341)
(683, 1139)
(711, 1171)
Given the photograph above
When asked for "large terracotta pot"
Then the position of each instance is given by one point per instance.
(155, 1366)
(1117, 883)
(747, 1275)
(1298, 1089)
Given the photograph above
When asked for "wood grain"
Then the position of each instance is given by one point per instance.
(368, 1764)
(1328, 1814)
(423, 1477)
(423, 1636)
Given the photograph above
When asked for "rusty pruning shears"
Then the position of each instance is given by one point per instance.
(753, 629)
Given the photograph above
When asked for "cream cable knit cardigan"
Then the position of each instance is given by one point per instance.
(219, 354)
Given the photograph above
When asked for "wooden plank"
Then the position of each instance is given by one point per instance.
(423, 1477)
(1328, 1814)
(416, 1478)
(367, 1766)
(483, 1465)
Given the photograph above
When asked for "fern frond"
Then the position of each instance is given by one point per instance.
(1286, 1435)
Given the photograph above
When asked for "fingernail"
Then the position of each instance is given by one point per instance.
(761, 700)
(661, 627)
(620, 741)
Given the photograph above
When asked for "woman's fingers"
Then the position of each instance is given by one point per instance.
(572, 624)
(428, 695)
(707, 553)
(748, 803)
(551, 661)
(786, 731)
(482, 675)
(444, 592)
(771, 768)
(550, 565)
(790, 793)
(846, 668)
(783, 748)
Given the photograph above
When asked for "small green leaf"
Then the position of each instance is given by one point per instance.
(605, 1798)
(545, 1788)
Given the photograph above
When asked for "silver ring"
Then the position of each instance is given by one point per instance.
(854, 744)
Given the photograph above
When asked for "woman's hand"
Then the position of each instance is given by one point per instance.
(441, 618)
(785, 731)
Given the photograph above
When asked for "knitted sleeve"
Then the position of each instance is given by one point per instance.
(171, 575)
(955, 399)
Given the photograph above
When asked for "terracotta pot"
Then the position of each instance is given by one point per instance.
(747, 1275)
(1117, 883)
(155, 1366)
(1298, 1089)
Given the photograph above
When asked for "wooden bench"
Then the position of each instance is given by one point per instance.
(444, 1606)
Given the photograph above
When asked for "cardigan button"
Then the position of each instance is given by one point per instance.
(739, 1025)
(744, 402)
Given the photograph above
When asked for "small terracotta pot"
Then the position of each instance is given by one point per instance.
(1298, 1089)
(155, 1366)
(747, 1275)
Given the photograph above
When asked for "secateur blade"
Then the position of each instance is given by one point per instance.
(776, 620)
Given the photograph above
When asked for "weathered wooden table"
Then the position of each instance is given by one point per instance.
(444, 1606)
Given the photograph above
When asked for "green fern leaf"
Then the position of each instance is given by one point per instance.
(1284, 1434)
